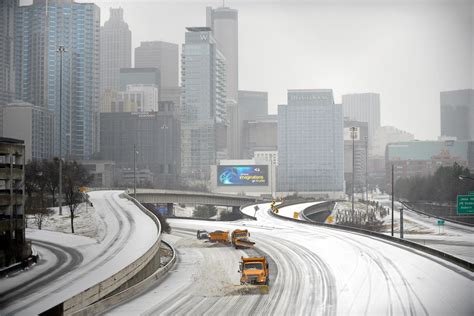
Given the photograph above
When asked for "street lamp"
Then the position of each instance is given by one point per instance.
(164, 128)
(61, 50)
(465, 178)
(135, 153)
(367, 175)
(353, 130)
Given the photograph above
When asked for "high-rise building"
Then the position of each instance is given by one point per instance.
(7, 36)
(224, 23)
(253, 107)
(115, 50)
(363, 107)
(40, 29)
(311, 144)
(259, 134)
(457, 114)
(137, 98)
(145, 76)
(385, 135)
(156, 136)
(233, 130)
(161, 55)
(203, 101)
(32, 124)
(252, 104)
(357, 148)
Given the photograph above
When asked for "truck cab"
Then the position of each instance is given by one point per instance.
(254, 271)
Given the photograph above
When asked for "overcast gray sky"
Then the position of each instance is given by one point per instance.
(407, 50)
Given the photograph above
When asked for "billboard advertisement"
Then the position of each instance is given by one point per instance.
(244, 175)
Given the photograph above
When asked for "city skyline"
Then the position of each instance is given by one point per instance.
(404, 62)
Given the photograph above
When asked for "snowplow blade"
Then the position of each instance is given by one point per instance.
(264, 289)
(244, 243)
(252, 289)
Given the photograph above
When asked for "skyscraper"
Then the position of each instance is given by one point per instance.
(115, 50)
(161, 55)
(363, 107)
(224, 23)
(310, 143)
(32, 124)
(252, 104)
(457, 114)
(203, 101)
(40, 29)
(7, 18)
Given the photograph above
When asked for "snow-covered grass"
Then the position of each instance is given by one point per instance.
(86, 221)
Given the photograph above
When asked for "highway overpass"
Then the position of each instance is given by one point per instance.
(155, 196)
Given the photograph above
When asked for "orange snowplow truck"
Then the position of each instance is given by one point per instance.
(219, 236)
(254, 271)
(240, 239)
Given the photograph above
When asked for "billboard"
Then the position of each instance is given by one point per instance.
(244, 175)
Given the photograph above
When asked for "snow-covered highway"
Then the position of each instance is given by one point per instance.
(319, 271)
(76, 262)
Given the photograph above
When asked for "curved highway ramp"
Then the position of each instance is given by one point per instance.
(316, 271)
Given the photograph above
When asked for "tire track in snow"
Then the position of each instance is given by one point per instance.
(67, 260)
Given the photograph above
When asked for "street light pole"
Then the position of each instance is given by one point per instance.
(393, 192)
(135, 171)
(367, 175)
(61, 50)
(353, 130)
(401, 223)
(164, 128)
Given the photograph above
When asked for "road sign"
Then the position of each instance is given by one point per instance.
(440, 222)
(330, 219)
(465, 204)
(471, 193)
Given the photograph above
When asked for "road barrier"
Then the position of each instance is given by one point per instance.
(440, 254)
(107, 286)
(107, 303)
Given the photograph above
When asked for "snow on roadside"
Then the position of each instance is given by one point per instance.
(86, 222)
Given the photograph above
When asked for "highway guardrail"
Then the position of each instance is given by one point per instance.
(440, 254)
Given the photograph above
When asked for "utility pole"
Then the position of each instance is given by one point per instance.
(61, 50)
(393, 192)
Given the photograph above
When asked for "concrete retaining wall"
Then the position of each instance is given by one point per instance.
(100, 290)
(103, 305)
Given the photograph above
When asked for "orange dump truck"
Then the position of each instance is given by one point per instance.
(254, 271)
(219, 236)
(240, 239)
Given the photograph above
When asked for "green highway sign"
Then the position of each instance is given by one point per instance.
(465, 204)
(440, 222)
(471, 193)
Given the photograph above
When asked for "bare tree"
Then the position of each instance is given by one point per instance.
(75, 176)
(40, 215)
